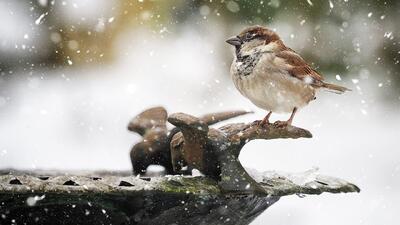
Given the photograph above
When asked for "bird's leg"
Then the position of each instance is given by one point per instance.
(288, 122)
(292, 116)
(266, 119)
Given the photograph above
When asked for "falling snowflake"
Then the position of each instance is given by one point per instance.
(31, 201)
(233, 6)
(330, 4)
(388, 35)
(40, 19)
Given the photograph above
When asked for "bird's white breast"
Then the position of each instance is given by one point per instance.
(270, 86)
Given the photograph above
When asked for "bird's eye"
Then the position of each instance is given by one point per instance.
(248, 37)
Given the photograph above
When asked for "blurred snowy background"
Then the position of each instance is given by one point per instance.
(74, 72)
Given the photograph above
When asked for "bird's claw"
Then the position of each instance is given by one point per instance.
(281, 124)
(261, 123)
(255, 123)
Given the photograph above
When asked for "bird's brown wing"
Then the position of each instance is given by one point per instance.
(299, 68)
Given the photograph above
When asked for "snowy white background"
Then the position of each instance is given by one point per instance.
(75, 117)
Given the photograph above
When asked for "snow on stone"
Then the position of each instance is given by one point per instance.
(304, 177)
(300, 179)
(197, 173)
(155, 171)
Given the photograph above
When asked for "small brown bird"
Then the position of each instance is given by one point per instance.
(273, 76)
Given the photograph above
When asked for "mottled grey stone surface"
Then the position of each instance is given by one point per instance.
(111, 199)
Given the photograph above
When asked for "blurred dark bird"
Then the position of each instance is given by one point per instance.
(154, 148)
(273, 76)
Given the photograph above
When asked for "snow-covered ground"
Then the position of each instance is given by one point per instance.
(76, 119)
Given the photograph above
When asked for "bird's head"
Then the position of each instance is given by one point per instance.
(255, 37)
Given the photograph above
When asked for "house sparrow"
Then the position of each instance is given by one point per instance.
(273, 76)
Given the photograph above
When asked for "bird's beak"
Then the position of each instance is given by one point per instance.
(235, 41)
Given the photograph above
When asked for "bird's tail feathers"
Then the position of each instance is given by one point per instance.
(335, 88)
